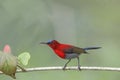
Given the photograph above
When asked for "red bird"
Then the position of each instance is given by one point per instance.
(66, 51)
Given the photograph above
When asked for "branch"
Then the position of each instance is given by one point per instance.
(69, 68)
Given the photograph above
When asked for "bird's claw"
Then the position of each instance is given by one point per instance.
(79, 68)
(64, 69)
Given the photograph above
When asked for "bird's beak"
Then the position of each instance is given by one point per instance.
(43, 43)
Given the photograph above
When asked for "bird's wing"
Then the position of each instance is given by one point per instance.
(74, 50)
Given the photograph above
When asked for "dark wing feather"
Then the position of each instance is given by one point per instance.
(74, 50)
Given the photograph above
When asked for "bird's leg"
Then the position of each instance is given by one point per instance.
(78, 63)
(21, 68)
(66, 64)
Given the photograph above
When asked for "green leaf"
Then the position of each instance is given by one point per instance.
(24, 58)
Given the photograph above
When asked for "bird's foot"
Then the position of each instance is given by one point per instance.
(79, 68)
(64, 68)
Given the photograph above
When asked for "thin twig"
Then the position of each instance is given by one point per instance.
(70, 68)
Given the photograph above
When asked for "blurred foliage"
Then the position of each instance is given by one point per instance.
(24, 23)
(24, 58)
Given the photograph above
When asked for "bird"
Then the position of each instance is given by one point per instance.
(67, 51)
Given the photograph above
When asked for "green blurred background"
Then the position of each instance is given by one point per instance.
(84, 23)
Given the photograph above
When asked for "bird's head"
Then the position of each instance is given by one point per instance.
(51, 43)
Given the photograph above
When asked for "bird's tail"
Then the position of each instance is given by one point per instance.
(91, 48)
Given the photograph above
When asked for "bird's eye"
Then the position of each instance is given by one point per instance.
(49, 42)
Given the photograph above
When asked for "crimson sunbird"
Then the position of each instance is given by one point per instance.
(66, 51)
